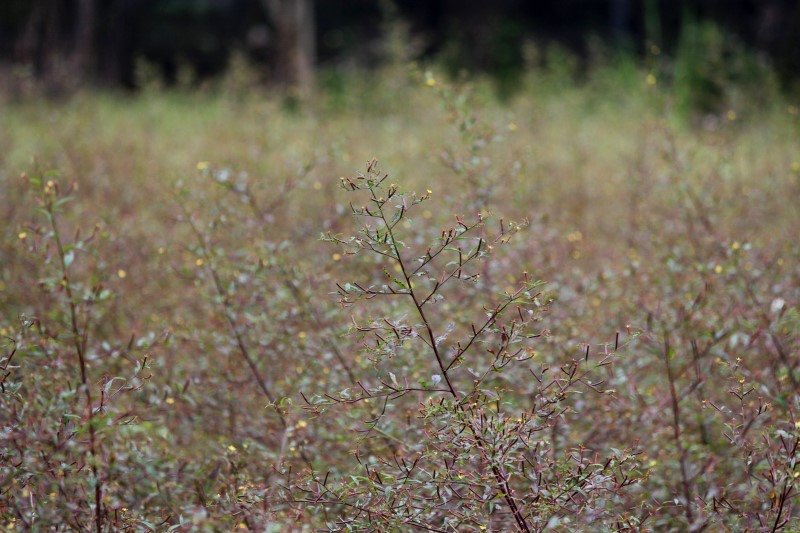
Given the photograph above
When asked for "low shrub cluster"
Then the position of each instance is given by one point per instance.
(585, 318)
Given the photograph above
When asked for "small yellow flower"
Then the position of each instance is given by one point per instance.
(718, 269)
(317, 186)
(301, 424)
(302, 334)
(336, 257)
(170, 401)
(430, 82)
(430, 192)
(199, 262)
(651, 79)
(575, 236)
(232, 448)
(512, 126)
(22, 235)
(161, 250)
(121, 273)
(736, 245)
(731, 115)
(203, 165)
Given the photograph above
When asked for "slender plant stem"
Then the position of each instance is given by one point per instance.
(79, 342)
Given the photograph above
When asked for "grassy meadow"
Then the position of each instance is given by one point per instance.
(198, 334)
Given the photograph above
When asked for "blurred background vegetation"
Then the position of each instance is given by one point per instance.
(59, 45)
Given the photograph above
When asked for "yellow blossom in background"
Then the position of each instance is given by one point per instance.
(199, 262)
(203, 165)
(651, 79)
(121, 273)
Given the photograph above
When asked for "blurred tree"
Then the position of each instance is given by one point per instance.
(295, 42)
(83, 55)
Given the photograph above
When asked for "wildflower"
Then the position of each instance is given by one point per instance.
(203, 165)
(121, 273)
(651, 79)
(170, 401)
(199, 262)
(22, 235)
(336, 257)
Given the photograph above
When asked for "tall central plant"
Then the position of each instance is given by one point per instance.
(483, 457)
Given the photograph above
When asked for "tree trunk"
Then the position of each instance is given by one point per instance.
(294, 42)
(83, 56)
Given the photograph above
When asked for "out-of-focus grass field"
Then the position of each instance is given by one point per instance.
(681, 237)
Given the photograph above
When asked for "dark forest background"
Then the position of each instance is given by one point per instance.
(64, 43)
